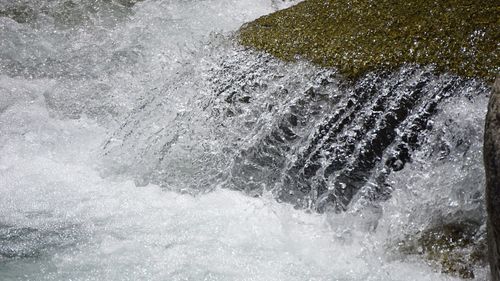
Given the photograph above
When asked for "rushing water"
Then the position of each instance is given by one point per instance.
(138, 142)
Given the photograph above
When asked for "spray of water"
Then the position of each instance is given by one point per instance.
(124, 130)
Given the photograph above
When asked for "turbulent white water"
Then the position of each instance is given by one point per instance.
(94, 93)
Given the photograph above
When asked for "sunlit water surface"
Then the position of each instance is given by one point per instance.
(72, 72)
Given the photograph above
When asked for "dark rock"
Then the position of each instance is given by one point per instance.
(335, 142)
(20, 14)
(492, 166)
(128, 3)
(454, 247)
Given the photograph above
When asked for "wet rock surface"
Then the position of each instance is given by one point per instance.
(455, 248)
(304, 134)
(336, 139)
(359, 36)
(492, 165)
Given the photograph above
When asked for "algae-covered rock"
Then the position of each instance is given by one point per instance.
(356, 36)
(454, 247)
(492, 165)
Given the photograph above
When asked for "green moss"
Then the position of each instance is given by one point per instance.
(355, 36)
(452, 246)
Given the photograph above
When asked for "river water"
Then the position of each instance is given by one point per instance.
(124, 153)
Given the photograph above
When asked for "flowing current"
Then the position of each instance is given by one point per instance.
(138, 141)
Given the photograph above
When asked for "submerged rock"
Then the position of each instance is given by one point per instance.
(492, 166)
(21, 13)
(335, 143)
(455, 247)
(128, 3)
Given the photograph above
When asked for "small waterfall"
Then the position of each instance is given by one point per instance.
(303, 133)
(139, 142)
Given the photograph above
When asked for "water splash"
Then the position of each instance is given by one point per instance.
(157, 92)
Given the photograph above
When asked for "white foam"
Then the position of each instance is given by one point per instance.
(60, 220)
(85, 227)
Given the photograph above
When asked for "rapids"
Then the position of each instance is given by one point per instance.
(139, 142)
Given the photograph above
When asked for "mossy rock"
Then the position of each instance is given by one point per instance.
(356, 36)
(454, 247)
